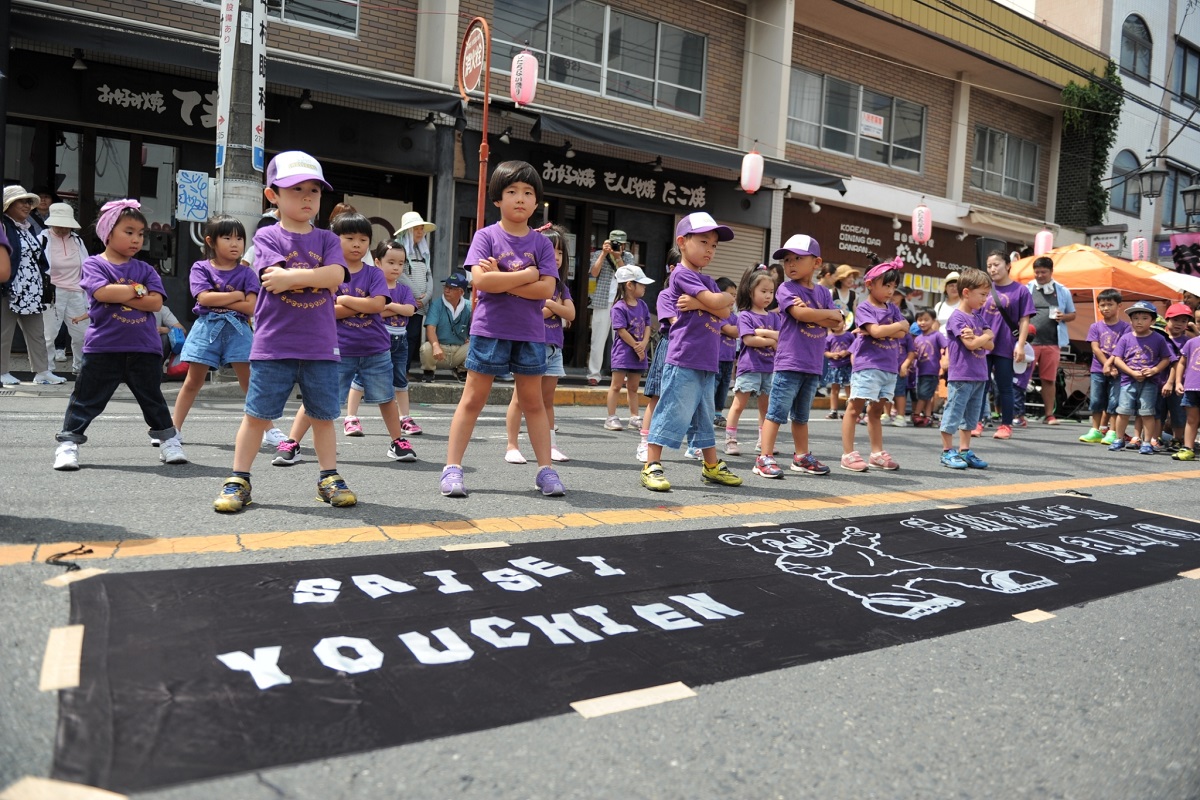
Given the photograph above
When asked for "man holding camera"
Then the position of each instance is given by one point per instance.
(605, 262)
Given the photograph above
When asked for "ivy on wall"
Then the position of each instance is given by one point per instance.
(1090, 118)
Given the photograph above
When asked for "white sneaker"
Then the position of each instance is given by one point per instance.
(48, 378)
(273, 437)
(60, 356)
(66, 457)
(557, 455)
(900, 422)
(171, 451)
(641, 452)
(693, 453)
(613, 424)
(8, 379)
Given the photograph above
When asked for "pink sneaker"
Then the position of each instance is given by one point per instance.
(853, 462)
(883, 460)
(978, 430)
(352, 426)
(1003, 432)
(410, 428)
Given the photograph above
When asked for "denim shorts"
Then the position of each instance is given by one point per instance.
(497, 357)
(554, 362)
(964, 405)
(217, 339)
(758, 383)
(654, 375)
(1191, 399)
(872, 384)
(399, 353)
(1140, 399)
(926, 386)
(271, 385)
(836, 373)
(792, 395)
(370, 374)
(1104, 393)
(686, 403)
(901, 387)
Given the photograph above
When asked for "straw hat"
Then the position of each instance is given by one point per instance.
(412, 219)
(61, 216)
(951, 278)
(846, 271)
(14, 193)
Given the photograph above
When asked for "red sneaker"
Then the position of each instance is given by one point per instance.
(1003, 432)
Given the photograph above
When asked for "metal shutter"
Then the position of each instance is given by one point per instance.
(734, 258)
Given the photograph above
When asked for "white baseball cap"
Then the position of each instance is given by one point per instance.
(294, 166)
(630, 273)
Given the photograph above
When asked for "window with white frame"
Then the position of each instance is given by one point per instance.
(335, 15)
(1136, 47)
(832, 114)
(592, 47)
(1186, 74)
(1124, 194)
(1005, 165)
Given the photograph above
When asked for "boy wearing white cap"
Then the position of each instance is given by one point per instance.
(66, 252)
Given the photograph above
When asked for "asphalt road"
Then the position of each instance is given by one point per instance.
(1100, 702)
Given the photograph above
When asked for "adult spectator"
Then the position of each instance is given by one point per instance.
(605, 261)
(22, 297)
(417, 274)
(945, 307)
(841, 287)
(65, 253)
(447, 329)
(1053, 309)
(41, 209)
(1007, 312)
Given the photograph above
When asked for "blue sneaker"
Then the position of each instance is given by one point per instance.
(1119, 444)
(452, 482)
(973, 461)
(953, 460)
(1146, 449)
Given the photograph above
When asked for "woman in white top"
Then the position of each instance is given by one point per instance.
(948, 303)
(417, 275)
(66, 252)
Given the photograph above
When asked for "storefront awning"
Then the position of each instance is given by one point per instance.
(180, 50)
(677, 148)
(1020, 227)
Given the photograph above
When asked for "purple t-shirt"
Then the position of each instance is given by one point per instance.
(634, 319)
(872, 353)
(554, 323)
(965, 365)
(501, 315)
(401, 294)
(757, 359)
(1017, 302)
(801, 344)
(695, 341)
(299, 323)
(117, 328)
(907, 345)
(1143, 352)
(4, 240)
(839, 341)
(364, 334)
(1108, 336)
(664, 306)
(205, 277)
(729, 343)
(1191, 368)
(929, 353)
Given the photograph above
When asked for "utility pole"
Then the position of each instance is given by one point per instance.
(5, 40)
(241, 110)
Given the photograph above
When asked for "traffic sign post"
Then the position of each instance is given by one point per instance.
(475, 64)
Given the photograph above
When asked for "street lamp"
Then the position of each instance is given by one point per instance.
(1191, 198)
(1151, 179)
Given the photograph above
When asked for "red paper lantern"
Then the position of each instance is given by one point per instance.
(752, 172)
(523, 82)
(922, 224)
(1140, 249)
(1043, 243)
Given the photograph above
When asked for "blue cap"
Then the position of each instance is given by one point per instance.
(456, 282)
(1142, 307)
(914, 329)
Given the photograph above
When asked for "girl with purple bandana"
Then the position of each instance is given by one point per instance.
(876, 355)
(759, 332)
(514, 272)
(295, 329)
(122, 343)
(631, 336)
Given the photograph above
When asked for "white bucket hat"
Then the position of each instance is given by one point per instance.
(412, 219)
(14, 193)
(61, 216)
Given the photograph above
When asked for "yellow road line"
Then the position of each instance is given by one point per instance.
(282, 540)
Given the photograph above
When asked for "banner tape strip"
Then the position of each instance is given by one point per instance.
(1037, 615)
(77, 575)
(626, 701)
(29, 788)
(60, 665)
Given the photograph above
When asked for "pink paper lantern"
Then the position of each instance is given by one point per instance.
(752, 172)
(1043, 243)
(922, 224)
(523, 82)
(1140, 249)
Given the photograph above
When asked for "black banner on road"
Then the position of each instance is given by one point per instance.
(197, 673)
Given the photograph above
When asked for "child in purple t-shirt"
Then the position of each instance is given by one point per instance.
(693, 356)
(390, 258)
(558, 313)
(837, 365)
(1105, 389)
(631, 336)
(1008, 310)
(894, 409)
(929, 344)
(1187, 385)
(876, 356)
(364, 342)
(513, 272)
(759, 330)
(1140, 356)
(225, 291)
(808, 314)
(969, 337)
(295, 329)
(729, 348)
(122, 343)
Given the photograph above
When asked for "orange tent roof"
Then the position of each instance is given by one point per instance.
(1079, 267)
